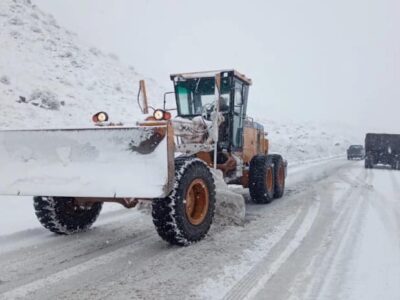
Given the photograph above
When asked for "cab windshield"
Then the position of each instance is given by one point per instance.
(195, 95)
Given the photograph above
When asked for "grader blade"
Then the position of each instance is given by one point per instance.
(109, 162)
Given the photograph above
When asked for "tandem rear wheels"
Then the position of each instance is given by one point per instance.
(266, 178)
(62, 215)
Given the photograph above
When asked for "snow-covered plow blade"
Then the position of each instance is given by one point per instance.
(106, 162)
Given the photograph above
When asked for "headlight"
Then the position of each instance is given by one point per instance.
(100, 117)
(158, 114)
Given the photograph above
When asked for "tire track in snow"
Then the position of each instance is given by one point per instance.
(88, 280)
(316, 257)
(373, 270)
(388, 204)
(344, 231)
(305, 177)
(54, 278)
(291, 247)
(247, 289)
(56, 253)
(21, 240)
(256, 278)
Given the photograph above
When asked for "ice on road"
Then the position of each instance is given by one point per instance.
(334, 235)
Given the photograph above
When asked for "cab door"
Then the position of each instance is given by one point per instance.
(239, 113)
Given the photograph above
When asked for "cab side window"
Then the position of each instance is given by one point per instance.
(238, 115)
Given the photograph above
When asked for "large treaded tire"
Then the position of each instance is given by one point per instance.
(260, 165)
(169, 214)
(279, 171)
(62, 216)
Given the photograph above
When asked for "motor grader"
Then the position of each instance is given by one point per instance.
(71, 172)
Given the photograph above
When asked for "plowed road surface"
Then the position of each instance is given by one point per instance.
(334, 235)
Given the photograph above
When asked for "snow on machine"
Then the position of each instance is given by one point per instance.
(72, 172)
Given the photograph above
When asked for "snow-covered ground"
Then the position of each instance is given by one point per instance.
(334, 235)
(304, 141)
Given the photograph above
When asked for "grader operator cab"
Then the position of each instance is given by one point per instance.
(71, 172)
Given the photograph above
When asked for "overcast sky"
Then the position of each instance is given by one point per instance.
(335, 60)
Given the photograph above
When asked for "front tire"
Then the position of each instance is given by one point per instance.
(62, 215)
(186, 215)
(261, 179)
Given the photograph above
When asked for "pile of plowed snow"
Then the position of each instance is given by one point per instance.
(230, 208)
(49, 78)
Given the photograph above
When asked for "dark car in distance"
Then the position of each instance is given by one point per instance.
(355, 152)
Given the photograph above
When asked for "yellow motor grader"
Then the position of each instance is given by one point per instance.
(71, 172)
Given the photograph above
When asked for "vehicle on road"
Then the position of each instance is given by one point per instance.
(355, 152)
(71, 172)
(382, 149)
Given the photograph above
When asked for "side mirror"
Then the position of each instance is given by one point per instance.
(165, 98)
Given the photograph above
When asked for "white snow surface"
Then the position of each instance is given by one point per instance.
(304, 141)
(82, 163)
(230, 207)
(334, 235)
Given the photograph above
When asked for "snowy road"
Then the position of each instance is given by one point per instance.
(335, 235)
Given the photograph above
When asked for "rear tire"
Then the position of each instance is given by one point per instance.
(279, 176)
(368, 163)
(185, 216)
(261, 179)
(396, 165)
(62, 216)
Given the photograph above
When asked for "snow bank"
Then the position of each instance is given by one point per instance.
(230, 206)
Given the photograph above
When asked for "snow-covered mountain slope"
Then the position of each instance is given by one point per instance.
(299, 142)
(49, 78)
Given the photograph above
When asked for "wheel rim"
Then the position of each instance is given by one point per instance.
(197, 202)
(281, 176)
(269, 180)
